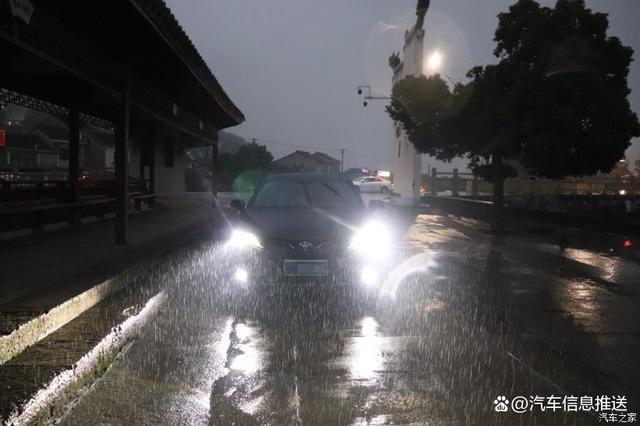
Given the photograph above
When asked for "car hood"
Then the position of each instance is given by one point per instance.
(303, 224)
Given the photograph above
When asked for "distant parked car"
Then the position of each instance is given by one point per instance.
(373, 184)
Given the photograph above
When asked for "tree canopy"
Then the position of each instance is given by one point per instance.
(556, 102)
(422, 105)
(249, 157)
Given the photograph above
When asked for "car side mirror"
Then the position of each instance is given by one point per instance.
(375, 205)
(237, 205)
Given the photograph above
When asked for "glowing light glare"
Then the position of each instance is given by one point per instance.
(241, 275)
(372, 240)
(243, 332)
(368, 327)
(241, 239)
(369, 275)
(434, 61)
(365, 353)
(248, 360)
(418, 264)
(628, 243)
(247, 356)
(622, 192)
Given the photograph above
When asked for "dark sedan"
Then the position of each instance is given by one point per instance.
(304, 225)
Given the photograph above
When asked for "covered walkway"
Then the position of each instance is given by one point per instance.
(125, 65)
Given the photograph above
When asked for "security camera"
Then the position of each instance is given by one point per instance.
(359, 91)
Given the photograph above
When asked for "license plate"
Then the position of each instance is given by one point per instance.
(306, 267)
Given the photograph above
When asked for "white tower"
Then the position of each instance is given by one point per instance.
(407, 162)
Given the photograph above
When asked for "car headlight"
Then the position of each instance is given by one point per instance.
(373, 240)
(243, 239)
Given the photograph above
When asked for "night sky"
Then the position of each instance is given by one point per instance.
(293, 66)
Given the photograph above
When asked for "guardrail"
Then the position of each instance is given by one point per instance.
(614, 221)
(466, 183)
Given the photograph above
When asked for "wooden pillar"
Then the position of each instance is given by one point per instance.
(148, 158)
(215, 171)
(143, 160)
(152, 162)
(122, 166)
(151, 157)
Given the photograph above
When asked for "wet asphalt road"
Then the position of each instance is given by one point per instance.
(475, 317)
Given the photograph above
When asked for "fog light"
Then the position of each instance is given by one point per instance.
(241, 275)
(369, 275)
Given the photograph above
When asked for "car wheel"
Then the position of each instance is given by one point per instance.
(384, 190)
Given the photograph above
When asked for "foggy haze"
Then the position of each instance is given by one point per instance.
(293, 66)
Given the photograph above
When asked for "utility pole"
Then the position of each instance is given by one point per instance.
(342, 160)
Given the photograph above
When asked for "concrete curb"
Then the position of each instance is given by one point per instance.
(38, 328)
(51, 400)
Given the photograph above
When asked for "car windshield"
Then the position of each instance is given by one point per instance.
(323, 194)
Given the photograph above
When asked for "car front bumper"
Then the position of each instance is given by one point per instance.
(267, 266)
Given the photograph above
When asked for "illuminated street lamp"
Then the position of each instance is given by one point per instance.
(434, 61)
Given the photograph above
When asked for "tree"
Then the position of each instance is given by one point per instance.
(422, 105)
(556, 101)
(250, 157)
(229, 143)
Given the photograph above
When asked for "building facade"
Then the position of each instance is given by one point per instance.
(407, 162)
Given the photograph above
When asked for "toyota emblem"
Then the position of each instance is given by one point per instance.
(305, 245)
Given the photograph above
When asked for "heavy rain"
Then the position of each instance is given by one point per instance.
(237, 212)
(464, 326)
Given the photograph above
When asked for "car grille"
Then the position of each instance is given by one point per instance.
(287, 249)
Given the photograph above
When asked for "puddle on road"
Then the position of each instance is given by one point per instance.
(280, 376)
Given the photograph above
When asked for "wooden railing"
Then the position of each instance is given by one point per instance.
(17, 187)
(467, 184)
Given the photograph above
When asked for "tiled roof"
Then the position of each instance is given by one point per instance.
(161, 17)
(324, 157)
(318, 157)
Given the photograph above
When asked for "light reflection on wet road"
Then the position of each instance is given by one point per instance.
(484, 316)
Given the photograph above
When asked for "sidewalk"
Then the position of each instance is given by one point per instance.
(41, 271)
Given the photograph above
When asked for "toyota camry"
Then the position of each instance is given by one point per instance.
(306, 225)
